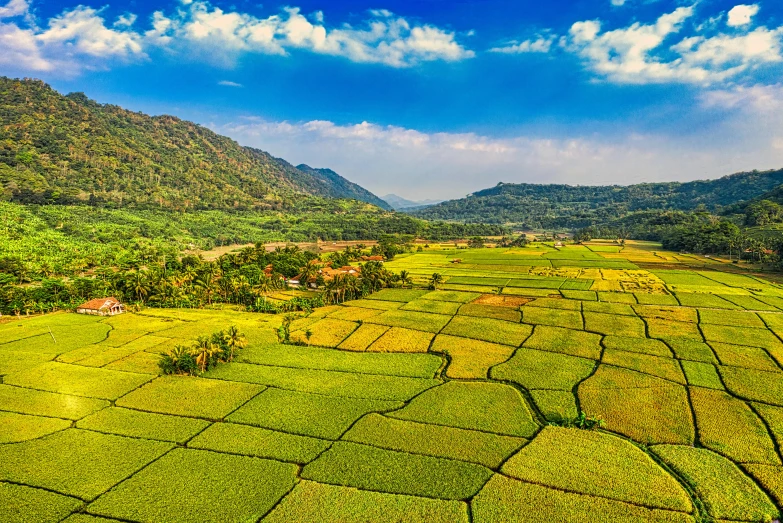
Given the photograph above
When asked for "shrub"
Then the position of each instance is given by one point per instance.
(207, 351)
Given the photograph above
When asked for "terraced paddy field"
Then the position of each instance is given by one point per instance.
(447, 405)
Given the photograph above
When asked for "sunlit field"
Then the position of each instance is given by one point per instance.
(580, 383)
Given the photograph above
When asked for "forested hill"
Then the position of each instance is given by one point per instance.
(544, 206)
(72, 150)
(335, 186)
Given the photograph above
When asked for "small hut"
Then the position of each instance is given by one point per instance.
(110, 306)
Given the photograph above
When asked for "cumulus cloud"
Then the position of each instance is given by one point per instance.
(539, 44)
(199, 30)
(742, 15)
(657, 52)
(437, 165)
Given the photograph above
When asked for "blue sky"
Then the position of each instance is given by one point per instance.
(436, 98)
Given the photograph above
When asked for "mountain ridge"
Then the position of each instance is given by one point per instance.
(69, 149)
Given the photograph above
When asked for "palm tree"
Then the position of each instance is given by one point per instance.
(234, 341)
(139, 285)
(405, 278)
(204, 351)
(435, 280)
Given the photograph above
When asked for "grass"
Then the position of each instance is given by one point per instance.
(640, 345)
(217, 487)
(553, 317)
(666, 368)
(611, 324)
(705, 300)
(754, 385)
(655, 299)
(354, 313)
(315, 502)
(617, 297)
(642, 407)
(742, 336)
(453, 296)
(488, 329)
(702, 375)
(729, 427)
(314, 415)
(413, 365)
(20, 504)
(421, 321)
(345, 384)
(432, 306)
(488, 407)
(363, 337)
(692, 350)
(733, 318)
(621, 309)
(381, 470)
(400, 295)
(398, 339)
(675, 314)
(22, 427)
(727, 493)
(773, 416)
(78, 381)
(617, 469)
(125, 422)
(41, 403)
(77, 462)
(470, 358)
(433, 440)
(666, 329)
(770, 478)
(259, 442)
(535, 369)
(555, 303)
(509, 500)
(572, 294)
(565, 341)
(743, 356)
(555, 405)
(490, 311)
(189, 396)
(374, 304)
(327, 332)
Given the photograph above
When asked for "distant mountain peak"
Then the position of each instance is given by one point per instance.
(399, 203)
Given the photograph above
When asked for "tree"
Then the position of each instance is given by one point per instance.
(405, 278)
(435, 280)
(476, 242)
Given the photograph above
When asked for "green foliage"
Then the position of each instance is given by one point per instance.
(370, 468)
(726, 492)
(77, 462)
(217, 487)
(189, 396)
(20, 504)
(433, 440)
(581, 421)
(258, 442)
(125, 422)
(311, 501)
(314, 415)
(488, 407)
(625, 472)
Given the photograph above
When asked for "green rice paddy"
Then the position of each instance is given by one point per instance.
(448, 405)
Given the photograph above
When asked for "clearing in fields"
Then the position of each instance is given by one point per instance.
(448, 405)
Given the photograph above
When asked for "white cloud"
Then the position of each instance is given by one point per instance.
(384, 38)
(14, 8)
(437, 165)
(540, 44)
(227, 83)
(650, 53)
(82, 38)
(742, 15)
(618, 3)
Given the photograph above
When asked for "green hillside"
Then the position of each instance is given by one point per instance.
(565, 206)
(71, 150)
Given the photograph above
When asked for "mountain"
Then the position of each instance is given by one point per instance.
(399, 203)
(535, 206)
(335, 186)
(72, 150)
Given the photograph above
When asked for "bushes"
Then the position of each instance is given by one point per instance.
(433, 440)
(204, 353)
(217, 487)
(726, 492)
(381, 470)
(625, 473)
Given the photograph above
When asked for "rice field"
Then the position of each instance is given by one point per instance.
(459, 404)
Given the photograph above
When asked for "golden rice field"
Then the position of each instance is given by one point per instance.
(413, 405)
